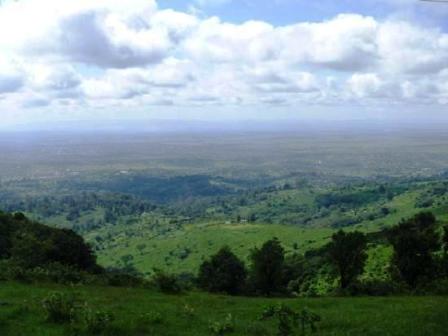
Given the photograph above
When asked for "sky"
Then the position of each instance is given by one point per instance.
(65, 60)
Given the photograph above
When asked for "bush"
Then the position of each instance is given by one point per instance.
(288, 319)
(9, 270)
(119, 278)
(189, 311)
(435, 287)
(219, 328)
(97, 321)
(59, 307)
(373, 288)
(166, 283)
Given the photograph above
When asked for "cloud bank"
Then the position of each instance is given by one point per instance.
(69, 55)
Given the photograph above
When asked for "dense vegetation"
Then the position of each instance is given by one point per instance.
(30, 244)
(202, 217)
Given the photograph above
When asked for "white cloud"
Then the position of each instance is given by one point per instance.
(406, 48)
(11, 76)
(83, 54)
(102, 33)
(363, 85)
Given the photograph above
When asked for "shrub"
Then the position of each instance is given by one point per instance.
(119, 278)
(288, 319)
(373, 288)
(435, 287)
(189, 311)
(59, 307)
(219, 328)
(166, 283)
(59, 273)
(97, 321)
(9, 270)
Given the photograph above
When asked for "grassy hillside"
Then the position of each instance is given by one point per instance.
(143, 312)
(184, 249)
(181, 248)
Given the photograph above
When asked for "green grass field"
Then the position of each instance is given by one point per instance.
(21, 313)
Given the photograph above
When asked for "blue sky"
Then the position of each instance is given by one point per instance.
(222, 60)
(283, 12)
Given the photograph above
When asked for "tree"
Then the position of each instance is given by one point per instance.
(445, 250)
(347, 253)
(445, 240)
(414, 241)
(29, 251)
(224, 272)
(267, 267)
(69, 248)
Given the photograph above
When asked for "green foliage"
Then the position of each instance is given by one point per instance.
(31, 244)
(220, 328)
(224, 272)
(122, 278)
(347, 254)
(375, 287)
(59, 307)
(414, 241)
(288, 319)
(96, 321)
(352, 199)
(166, 283)
(267, 268)
(189, 311)
(445, 239)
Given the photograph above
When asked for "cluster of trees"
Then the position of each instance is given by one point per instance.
(73, 206)
(30, 251)
(271, 270)
(29, 244)
(156, 189)
(420, 256)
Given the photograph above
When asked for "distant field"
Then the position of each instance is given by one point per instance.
(21, 313)
(343, 151)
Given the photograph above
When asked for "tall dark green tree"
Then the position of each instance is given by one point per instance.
(347, 254)
(31, 244)
(224, 272)
(268, 268)
(414, 242)
(445, 240)
(445, 251)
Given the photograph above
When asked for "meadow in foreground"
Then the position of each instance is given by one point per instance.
(144, 312)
